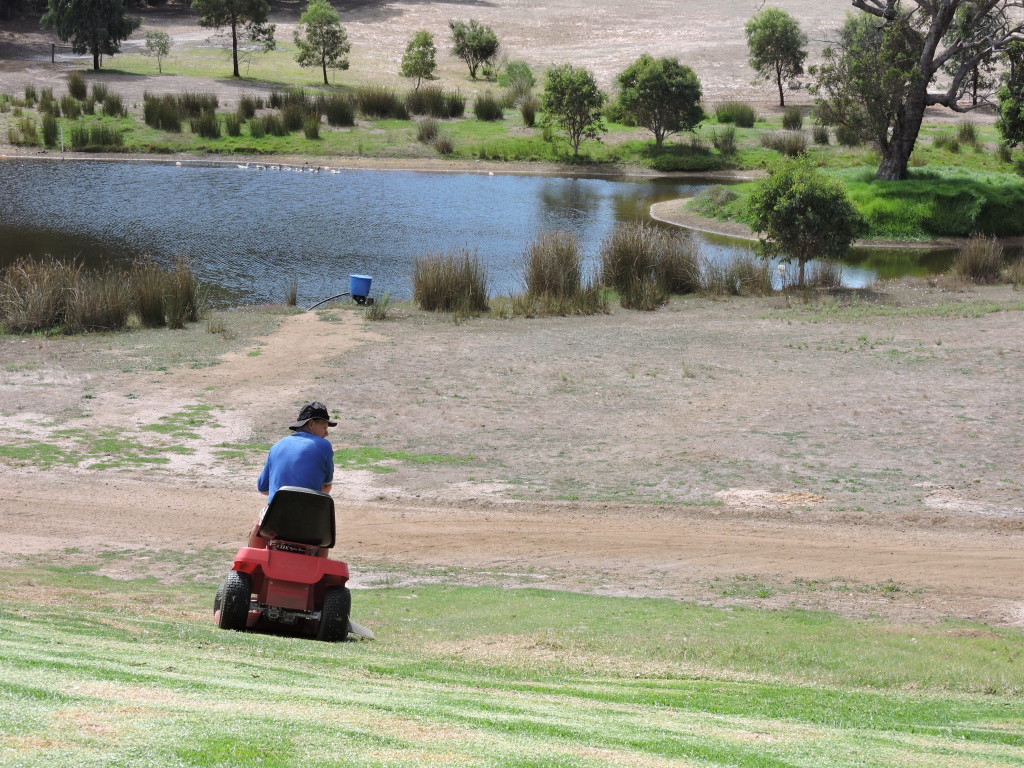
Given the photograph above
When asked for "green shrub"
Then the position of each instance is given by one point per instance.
(669, 161)
(257, 128)
(233, 124)
(738, 112)
(820, 135)
(50, 130)
(553, 265)
(455, 104)
(77, 87)
(30, 95)
(426, 130)
(79, 136)
(488, 108)
(455, 282)
(113, 106)
(99, 92)
(379, 309)
(792, 119)
(293, 116)
(380, 102)
(847, 136)
(311, 126)
(713, 201)
(789, 143)
(947, 141)
(724, 140)
(206, 125)
(979, 260)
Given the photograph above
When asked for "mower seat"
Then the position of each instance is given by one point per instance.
(299, 515)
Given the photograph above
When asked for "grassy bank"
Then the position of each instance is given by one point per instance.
(95, 671)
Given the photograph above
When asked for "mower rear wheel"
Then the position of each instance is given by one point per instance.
(234, 600)
(334, 615)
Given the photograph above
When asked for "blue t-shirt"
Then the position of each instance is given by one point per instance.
(302, 459)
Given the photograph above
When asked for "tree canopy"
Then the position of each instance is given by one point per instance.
(474, 43)
(572, 103)
(420, 58)
(803, 213)
(96, 27)
(777, 47)
(1011, 98)
(321, 39)
(928, 35)
(244, 19)
(662, 95)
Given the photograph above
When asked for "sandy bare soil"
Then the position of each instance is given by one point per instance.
(727, 452)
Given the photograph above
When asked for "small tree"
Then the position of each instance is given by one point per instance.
(1011, 98)
(245, 20)
(803, 213)
(158, 44)
(777, 47)
(420, 58)
(662, 95)
(572, 103)
(321, 39)
(474, 43)
(92, 26)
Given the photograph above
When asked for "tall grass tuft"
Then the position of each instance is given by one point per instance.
(792, 119)
(381, 102)
(791, 143)
(820, 135)
(114, 106)
(827, 274)
(70, 107)
(30, 95)
(738, 112)
(529, 106)
(443, 145)
(23, 132)
(294, 116)
(1014, 274)
(724, 140)
(487, 108)
(636, 254)
(454, 282)
(191, 104)
(148, 287)
(380, 309)
(979, 260)
(435, 102)
(206, 125)
(426, 131)
(967, 133)
(744, 275)
(553, 265)
(338, 109)
(233, 124)
(311, 126)
(77, 87)
(161, 112)
(98, 302)
(100, 92)
(50, 130)
(34, 295)
(248, 104)
(257, 128)
(291, 294)
(181, 301)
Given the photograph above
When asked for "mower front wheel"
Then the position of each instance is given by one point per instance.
(334, 615)
(234, 601)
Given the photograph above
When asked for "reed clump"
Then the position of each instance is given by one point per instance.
(381, 102)
(790, 143)
(737, 112)
(55, 296)
(637, 258)
(453, 282)
(745, 275)
(979, 260)
(487, 108)
(77, 87)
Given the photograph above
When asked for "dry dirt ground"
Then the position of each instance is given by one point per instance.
(862, 460)
(740, 451)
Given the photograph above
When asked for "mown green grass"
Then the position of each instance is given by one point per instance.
(101, 672)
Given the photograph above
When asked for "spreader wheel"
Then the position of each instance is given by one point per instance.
(234, 601)
(334, 615)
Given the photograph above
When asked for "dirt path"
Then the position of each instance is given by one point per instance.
(769, 549)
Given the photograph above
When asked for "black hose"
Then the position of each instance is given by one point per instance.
(330, 298)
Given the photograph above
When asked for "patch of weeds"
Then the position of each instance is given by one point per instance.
(184, 424)
(240, 450)
(109, 449)
(371, 458)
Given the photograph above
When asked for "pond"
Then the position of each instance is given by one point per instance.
(249, 232)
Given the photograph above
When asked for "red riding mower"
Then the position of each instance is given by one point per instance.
(290, 584)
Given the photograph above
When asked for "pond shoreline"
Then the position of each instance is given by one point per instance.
(676, 213)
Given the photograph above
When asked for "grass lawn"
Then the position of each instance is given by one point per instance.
(96, 671)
